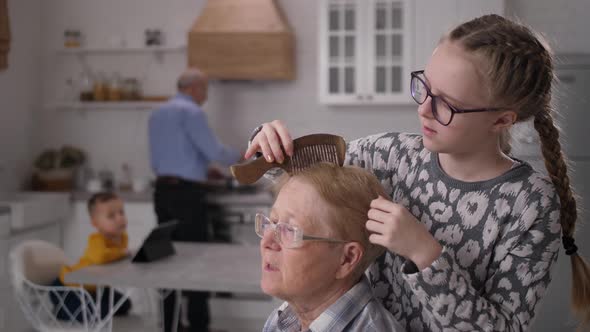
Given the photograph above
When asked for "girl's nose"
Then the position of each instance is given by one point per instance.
(425, 109)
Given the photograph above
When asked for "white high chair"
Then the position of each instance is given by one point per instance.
(34, 265)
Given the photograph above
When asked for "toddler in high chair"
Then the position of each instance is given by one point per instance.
(107, 244)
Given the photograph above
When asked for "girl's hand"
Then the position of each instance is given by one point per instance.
(269, 141)
(395, 228)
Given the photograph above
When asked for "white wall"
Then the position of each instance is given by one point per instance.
(114, 137)
(564, 23)
(235, 108)
(19, 92)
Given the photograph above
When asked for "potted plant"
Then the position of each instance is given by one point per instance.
(55, 170)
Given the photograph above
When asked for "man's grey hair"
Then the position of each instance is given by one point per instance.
(189, 78)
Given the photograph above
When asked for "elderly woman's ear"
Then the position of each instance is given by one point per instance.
(352, 253)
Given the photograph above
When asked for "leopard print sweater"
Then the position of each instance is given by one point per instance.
(500, 238)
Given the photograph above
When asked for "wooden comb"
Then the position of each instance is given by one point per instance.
(307, 150)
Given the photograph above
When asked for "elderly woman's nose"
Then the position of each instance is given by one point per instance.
(269, 240)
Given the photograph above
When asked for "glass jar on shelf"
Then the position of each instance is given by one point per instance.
(86, 87)
(69, 91)
(131, 89)
(72, 38)
(154, 38)
(115, 88)
(100, 87)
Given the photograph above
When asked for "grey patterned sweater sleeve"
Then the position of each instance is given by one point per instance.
(511, 293)
(500, 239)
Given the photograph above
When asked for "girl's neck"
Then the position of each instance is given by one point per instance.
(474, 167)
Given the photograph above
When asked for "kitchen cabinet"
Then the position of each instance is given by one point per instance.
(365, 51)
(367, 48)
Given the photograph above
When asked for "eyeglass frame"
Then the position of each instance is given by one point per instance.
(298, 233)
(453, 109)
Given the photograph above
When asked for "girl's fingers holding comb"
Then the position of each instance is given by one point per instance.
(265, 147)
(252, 149)
(283, 133)
(274, 143)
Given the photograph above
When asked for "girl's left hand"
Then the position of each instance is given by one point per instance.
(395, 228)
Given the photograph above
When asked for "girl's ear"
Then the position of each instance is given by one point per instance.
(505, 120)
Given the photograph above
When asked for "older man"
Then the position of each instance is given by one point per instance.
(182, 146)
(315, 249)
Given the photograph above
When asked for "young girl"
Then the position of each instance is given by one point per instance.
(471, 233)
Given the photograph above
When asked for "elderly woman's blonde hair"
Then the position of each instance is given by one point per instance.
(348, 191)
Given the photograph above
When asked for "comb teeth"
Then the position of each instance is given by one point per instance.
(306, 156)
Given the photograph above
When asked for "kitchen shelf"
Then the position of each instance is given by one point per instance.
(121, 50)
(107, 105)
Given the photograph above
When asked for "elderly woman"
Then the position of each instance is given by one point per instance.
(315, 249)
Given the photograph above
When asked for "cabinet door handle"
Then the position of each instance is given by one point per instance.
(360, 97)
(369, 97)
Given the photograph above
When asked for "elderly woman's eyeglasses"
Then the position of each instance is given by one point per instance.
(287, 235)
(443, 111)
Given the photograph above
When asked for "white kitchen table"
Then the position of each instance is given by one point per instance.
(195, 266)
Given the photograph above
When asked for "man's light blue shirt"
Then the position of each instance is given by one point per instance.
(181, 142)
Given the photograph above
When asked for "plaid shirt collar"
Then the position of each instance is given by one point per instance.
(336, 317)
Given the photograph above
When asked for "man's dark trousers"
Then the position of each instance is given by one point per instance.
(184, 201)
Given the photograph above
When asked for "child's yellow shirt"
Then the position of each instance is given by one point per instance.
(100, 250)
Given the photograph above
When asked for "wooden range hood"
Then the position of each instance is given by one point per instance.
(242, 40)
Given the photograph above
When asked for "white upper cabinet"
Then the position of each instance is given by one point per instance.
(365, 51)
(367, 48)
